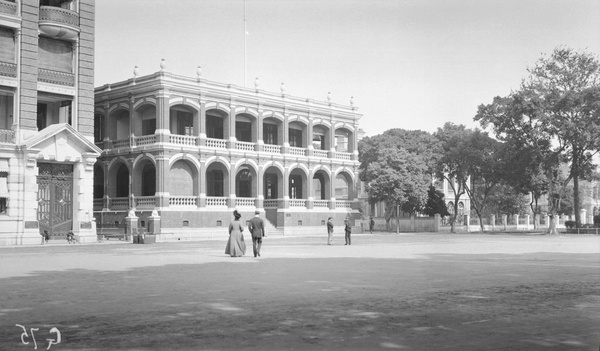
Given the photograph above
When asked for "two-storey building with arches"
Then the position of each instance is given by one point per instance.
(180, 153)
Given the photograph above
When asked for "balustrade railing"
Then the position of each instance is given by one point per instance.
(297, 151)
(55, 77)
(145, 140)
(320, 153)
(121, 143)
(216, 143)
(98, 204)
(216, 201)
(119, 203)
(245, 201)
(343, 204)
(145, 201)
(244, 145)
(182, 139)
(297, 202)
(270, 203)
(60, 15)
(182, 201)
(342, 156)
(272, 149)
(320, 203)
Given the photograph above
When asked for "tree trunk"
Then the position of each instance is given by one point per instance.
(552, 227)
(575, 174)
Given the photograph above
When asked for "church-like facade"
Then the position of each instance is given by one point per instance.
(180, 153)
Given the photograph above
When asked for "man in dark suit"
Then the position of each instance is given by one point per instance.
(257, 229)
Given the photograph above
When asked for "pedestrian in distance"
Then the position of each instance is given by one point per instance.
(371, 225)
(46, 236)
(70, 237)
(329, 230)
(347, 231)
(257, 230)
(236, 247)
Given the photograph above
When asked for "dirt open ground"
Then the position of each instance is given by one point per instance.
(385, 292)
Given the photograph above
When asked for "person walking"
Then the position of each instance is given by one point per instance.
(236, 247)
(329, 230)
(347, 231)
(257, 230)
(46, 236)
(371, 224)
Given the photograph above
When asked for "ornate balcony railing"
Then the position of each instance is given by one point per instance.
(145, 201)
(98, 204)
(342, 156)
(343, 204)
(320, 153)
(145, 140)
(121, 143)
(182, 139)
(216, 143)
(119, 203)
(270, 203)
(216, 201)
(320, 203)
(297, 202)
(187, 201)
(272, 149)
(245, 201)
(297, 151)
(8, 7)
(244, 146)
(54, 77)
(59, 15)
(8, 69)
(6, 136)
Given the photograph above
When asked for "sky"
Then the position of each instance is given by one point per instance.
(411, 64)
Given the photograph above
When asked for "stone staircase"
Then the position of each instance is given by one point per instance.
(271, 230)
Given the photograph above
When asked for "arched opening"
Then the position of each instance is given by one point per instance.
(321, 186)
(181, 120)
(297, 187)
(147, 117)
(122, 181)
(98, 182)
(119, 129)
(271, 131)
(320, 139)
(215, 121)
(296, 132)
(343, 140)
(245, 127)
(273, 183)
(244, 183)
(217, 180)
(342, 190)
(182, 179)
(148, 180)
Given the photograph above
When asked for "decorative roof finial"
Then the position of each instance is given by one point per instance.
(163, 65)
(352, 101)
(282, 88)
(256, 82)
(199, 72)
(329, 96)
(136, 72)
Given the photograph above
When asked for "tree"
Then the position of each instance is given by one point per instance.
(436, 204)
(397, 168)
(452, 165)
(556, 111)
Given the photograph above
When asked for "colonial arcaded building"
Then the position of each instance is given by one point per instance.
(47, 152)
(180, 153)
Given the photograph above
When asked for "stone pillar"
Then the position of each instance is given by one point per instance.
(162, 112)
(537, 222)
(309, 136)
(493, 222)
(260, 191)
(527, 221)
(131, 222)
(436, 222)
(154, 223)
(547, 220)
(286, 134)
(202, 122)
(162, 171)
(583, 215)
(260, 142)
(202, 185)
(505, 221)
(467, 219)
(232, 195)
(231, 128)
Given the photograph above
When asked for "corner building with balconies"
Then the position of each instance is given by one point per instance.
(47, 150)
(180, 154)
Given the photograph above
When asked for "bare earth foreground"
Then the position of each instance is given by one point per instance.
(386, 291)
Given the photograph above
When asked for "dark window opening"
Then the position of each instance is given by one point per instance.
(295, 137)
(243, 131)
(270, 134)
(214, 127)
(215, 183)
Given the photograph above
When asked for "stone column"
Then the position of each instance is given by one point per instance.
(527, 221)
(231, 135)
(154, 223)
(309, 136)
(260, 142)
(547, 220)
(202, 185)
(286, 134)
(467, 219)
(202, 122)
(583, 214)
(162, 172)
(505, 221)
(493, 222)
(131, 222)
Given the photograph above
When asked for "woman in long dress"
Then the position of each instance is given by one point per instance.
(236, 247)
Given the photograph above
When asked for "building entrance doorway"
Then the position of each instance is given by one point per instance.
(55, 197)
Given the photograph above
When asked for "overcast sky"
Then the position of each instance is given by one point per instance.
(411, 64)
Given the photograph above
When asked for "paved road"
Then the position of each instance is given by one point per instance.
(386, 291)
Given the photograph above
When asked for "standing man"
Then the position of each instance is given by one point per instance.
(347, 231)
(329, 230)
(257, 229)
(371, 224)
